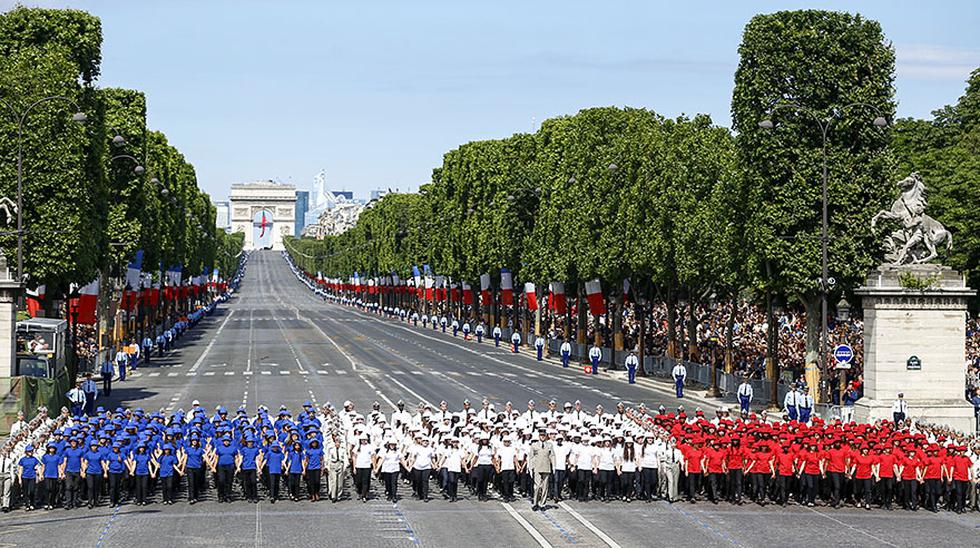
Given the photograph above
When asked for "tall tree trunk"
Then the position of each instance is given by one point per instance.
(681, 334)
(692, 331)
(730, 334)
(671, 324)
(772, 346)
(811, 370)
(582, 329)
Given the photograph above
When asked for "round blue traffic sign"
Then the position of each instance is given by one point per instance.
(843, 353)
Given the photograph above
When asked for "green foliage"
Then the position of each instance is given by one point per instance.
(910, 281)
(77, 33)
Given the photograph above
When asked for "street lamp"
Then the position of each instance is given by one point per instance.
(21, 117)
(824, 123)
(138, 170)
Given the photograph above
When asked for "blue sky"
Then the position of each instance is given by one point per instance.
(374, 92)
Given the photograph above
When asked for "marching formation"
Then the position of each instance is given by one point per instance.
(487, 452)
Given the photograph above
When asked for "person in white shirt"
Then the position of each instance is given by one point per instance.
(791, 404)
(453, 461)
(745, 394)
(626, 465)
(606, 466)
(595, 355)
(559, 476)
(566, 353)
(420, 462)
(466, 331)
(900, 408)
(632, 363)
(515, 340)
(648, 464)
(18, 425)
(388, 464)
(539, 347)
(76, 396)
(586, 462)
(455, 326)
(497, 333)
(480, 330)
(505, 461)
(482, 461)
(679, 374)
(363, 460)
(671, 460)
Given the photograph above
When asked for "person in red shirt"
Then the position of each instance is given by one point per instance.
(783, 474)
(959, 474)
(811, 467)
(694, 467)
(910, 471)
(715, 458)
(837, 462)
(885, 472)
(760, 469)
(933, 476)
(735, 463)
(862, 468)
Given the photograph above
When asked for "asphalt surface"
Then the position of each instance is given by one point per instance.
(277, 343)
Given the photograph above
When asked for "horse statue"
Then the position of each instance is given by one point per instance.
(921, 236)
(8, 209)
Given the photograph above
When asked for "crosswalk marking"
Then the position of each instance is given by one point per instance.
(266, 372)
(247, 373)
(416, 372)
(473, 373)
(322, 371)
(209, 374)
(229, 373)
(304, 372)
(172, 374)
(341, 372)
(284, 372)
(190, 374)
(154, 374)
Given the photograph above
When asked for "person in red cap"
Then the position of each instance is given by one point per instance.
(785, 462)
(715, 460)
(760, 469)
(735, 464)
(810, 468)
(693, 465)
(959, 474)
(909, 469)
(838, 459)
(862, 468)
(933, 476)
(885, 473)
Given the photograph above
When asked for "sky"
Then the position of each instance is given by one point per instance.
(374, 92)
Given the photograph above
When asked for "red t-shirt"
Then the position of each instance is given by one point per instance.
(716, 460)
(961, 468)
(837, 460)
(693, 457)
(862, 469)
(760, 463)
(784, 463)
(886, 465)
(735, 458)
(911, 466)
(934, 468)
(811, 462)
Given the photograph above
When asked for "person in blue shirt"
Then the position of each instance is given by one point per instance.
(51, 461)
(94, 469)
(192, 463)
(139, 465)
(27, 476)
(312, 468)
(273, 462)
(165, 464)
(117, 471)
(71, 469)
(295, 469)
(247, 465)
(223, 465)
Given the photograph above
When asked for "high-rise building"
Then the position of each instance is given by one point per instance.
(223, 216)
(302, 207)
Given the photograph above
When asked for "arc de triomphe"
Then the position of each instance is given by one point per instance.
(265, 211)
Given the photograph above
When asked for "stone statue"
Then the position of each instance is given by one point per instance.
(917, 240)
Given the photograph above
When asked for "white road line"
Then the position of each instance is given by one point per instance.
(409, 390)
(229, 373)
(322, 371)
(341, 372)
(247, 373)
(350, 358)
(209, 373)
(303, 372)
(284, 372)
(214, 337)
(266, 372)
(543, 542)
(154, 374)
(172, 374)
(190, 374)
(588, 524)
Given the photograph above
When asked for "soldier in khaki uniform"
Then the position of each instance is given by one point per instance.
(541, 460)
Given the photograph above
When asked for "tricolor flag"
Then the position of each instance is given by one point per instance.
(626, 290)
(34, 298)
(593, 292)
(506, 287)
(531, 296)
(440, 286)
(467, 294)
(484, 289)
(86, 302)
(557, 301)
(428, 287)
(132, 291)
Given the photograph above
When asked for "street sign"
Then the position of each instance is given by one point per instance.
(913, 363)
(843, 355)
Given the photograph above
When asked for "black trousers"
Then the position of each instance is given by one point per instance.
(115, 487)
(312, 481)
(836, 487)
(627, 482)
(693, 485)
(782, 489)
(452, 484)
(735, 481)
(507, 478)
(195, 483)
(484, 474)
(107, 384)
(760, 486)
(168, 488)
(73, 484)
(294, 485)
(715, 482)
(391, 484)
(226, 475)
(274, 486)
(910, 494)
(421, 478)
(649, 483)
(250, 486)
(51, 490)
(142, 486)
(886, 488)
(93, 484)
(583, 483)
(362, 482)
(29, 489)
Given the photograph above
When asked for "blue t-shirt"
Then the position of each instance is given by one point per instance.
(28, 465)
(295, 461)
(142, 464)
(195, 457)
(314, 458)
(167, 463)
(93, 460)
(248, 457)
(117, 463)
(226, 454)
(274, 459)
(51, 463)
(73, 459)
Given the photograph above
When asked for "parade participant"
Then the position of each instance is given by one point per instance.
(695, 460)
(679, 374)
(335, 468)
(884, 472)
(760, 469)
(455, 327)
(715, 462)
(106, 371)
(192, 464)
(745, 394)
(785, 464)
(626, 465)
(7, 467)
(790, 403)
(735, 465)
(562, 449)
(515, 340)
(838, 464)
(595, 355)
(566, 352)
(506, 465)
(648, 466)
(910, 472)
(388, 465)
(71, 470)
(539, 346)
(51, 468)
(121, 359)
(900, 408)
(223, 461)
(95, 467)
(466, 331)
(862, 469)
(166, 464)
(481, 461)
(294, 468)
(479, 332)
(497, 333)
(363, 460)
(246, 467)
(586, 462)
(139, 465)
(312, 467)
(117, 469)
(540, 461)
(27, 475)
(632, 362)
(810, 466)
(272, 460)
(420, 461)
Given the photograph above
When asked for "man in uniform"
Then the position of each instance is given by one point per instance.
(745, 394)
(679, 374)
(479, 332)
(669, 476)
(7, 466)
(122, 359)
(539, 346)
(790, 403)
(515, 339)
(466, 331)
(106, 371)
(631, 364)
(566, 352)
(541, 461)
(595, 354)
(415, 319)
(91, 390)
(76, 397)
(147, 347)
(455, 326)
(900, 408)
(134, 355)
(443, 322)
(335, 468)
(161, 344)
(497, 333)
(805, 406)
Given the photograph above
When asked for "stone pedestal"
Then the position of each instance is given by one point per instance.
(10, 291)
(915, 343)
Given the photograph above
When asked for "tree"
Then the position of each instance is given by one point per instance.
(823, 61)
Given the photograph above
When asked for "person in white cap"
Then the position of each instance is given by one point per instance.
(388, 465)
(363, 460)
(505, 463)
(900, 408)
(420, 462)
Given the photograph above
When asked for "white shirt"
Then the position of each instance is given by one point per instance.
(790, 400)
(745, 389)
(423, 458)
(679, 372)
(515, 338)
(583, 456)
(561, 454)
(362, 456)
(607, 459)
(390, 461)
(506, 455)
(632, 360)
(595, 352)
(566, 348)
(454, 460)
(484, 455)
(496, 331)
(539, 342)
(649, 458)
(900, 406)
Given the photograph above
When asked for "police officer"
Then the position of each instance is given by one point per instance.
(595, 354)
(679, 374)
(745, 394)
(805, 406)
(790, 403)
(632, 362)
(539, 346)
(479, 332)
(106, 371)
(76, 397)
(900, 408)
(161, 344)
(147, 347)
(497, 333)
(466, 331)
(122, 359)
(566, 352)
(515, 339)
(443, 322)
(415, 319)
(455, 326)
(91, 390)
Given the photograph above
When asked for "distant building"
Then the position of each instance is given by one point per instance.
(378, 194)
(347, 195)
(302, 207)
(223, 217)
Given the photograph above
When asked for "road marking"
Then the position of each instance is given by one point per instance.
(266, 372)
(322, 371)
(543, 542)
(214, 338)
(209, 373)
(154, 374)
(350, 358)
(341, 372)
(172, 374)
(247, 373)
(409, 390)
(229, 373)
(588, 524)
(190, 374)
(304, 372)
(284, 372)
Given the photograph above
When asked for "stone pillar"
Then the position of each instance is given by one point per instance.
(10, 291)
(915, 343)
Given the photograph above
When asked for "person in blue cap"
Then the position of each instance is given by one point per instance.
(295, 468)
(272, 460)
(51, 463)
(247, 466)
(313, 467)
(27, 476)
(165, 464)
(71, 470)
(192, 464)
(117, 471)
(223, 465)
(94, 470)
(140, 467)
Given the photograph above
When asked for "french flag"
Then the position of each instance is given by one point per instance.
(484, 289)
(593, 292)
(132, 292)
(86, 303)
(506, 287)
(557, 302)
(531, 296)
(467, 294)
(34, 298)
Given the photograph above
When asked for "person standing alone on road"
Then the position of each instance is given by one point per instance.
(900, 408)
(515, 339)
(679, 374)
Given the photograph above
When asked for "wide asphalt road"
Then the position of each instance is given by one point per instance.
(277, 343)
